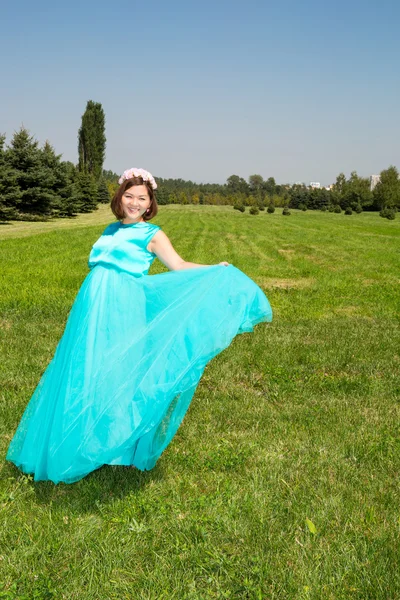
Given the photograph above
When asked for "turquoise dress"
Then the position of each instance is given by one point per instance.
(131, 356)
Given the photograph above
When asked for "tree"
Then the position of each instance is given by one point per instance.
(58, 181)
(236, 184)
(161, 195)
(69, 201)
(256, 183)
(92, 140)
(35, 178)
(103, 195)
(270, 187)
(10, 194)
(277, 200)
(182, 198)
(324, 198)
(339, 189)
(256, 189)
(110, 176)
(85, 192)
(298, 195)
(357, 192)
(386, 194)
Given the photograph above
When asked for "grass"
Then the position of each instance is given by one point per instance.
(283, 479)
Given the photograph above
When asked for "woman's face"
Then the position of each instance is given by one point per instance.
(134, 202)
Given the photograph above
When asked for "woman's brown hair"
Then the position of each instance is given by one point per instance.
(125, 185)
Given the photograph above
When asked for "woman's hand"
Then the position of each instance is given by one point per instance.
(226, 264)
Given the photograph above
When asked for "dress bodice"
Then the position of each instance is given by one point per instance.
(124, 246)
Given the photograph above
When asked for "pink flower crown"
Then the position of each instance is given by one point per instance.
(145, 175)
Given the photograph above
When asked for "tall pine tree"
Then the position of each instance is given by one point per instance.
(92, 140)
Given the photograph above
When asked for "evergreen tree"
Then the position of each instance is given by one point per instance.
(85, 192)
(103, 195)
(324, 199)
(69, 203)
(313, 200)
(298, 195)
(110, 176)
(10, 194)
(52, 162)
(162, 196)
(92, 140)
(35, 179)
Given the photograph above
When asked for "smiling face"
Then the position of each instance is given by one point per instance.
(134, 203)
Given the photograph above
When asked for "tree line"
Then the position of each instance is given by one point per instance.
(352, 194)
(36, 184)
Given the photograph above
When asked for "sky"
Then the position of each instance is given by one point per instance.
(298, 91)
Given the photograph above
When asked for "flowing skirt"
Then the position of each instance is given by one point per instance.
(127, 365)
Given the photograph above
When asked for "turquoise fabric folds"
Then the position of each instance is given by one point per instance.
(131, 356)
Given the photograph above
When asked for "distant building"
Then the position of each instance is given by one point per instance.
(315, 184)
(374, 180)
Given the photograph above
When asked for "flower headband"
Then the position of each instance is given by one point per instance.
(145, 175)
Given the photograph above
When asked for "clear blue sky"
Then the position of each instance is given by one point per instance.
(201, 90)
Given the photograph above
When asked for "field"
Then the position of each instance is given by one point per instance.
(283, 481)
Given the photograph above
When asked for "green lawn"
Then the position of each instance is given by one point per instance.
(283, 480)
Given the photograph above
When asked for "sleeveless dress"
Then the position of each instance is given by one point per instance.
(132, 353)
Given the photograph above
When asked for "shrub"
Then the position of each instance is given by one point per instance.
(337, 209)
(302, 206)
(271, 208)
(324, 209)
(254, 210)
(388, 213)
(286, 211)
(240, 207)
(348, 211)
(331, 208)
(358, 209)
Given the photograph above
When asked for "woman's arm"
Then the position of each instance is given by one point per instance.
(164, 250)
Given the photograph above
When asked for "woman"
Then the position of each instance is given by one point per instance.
(133, 349)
